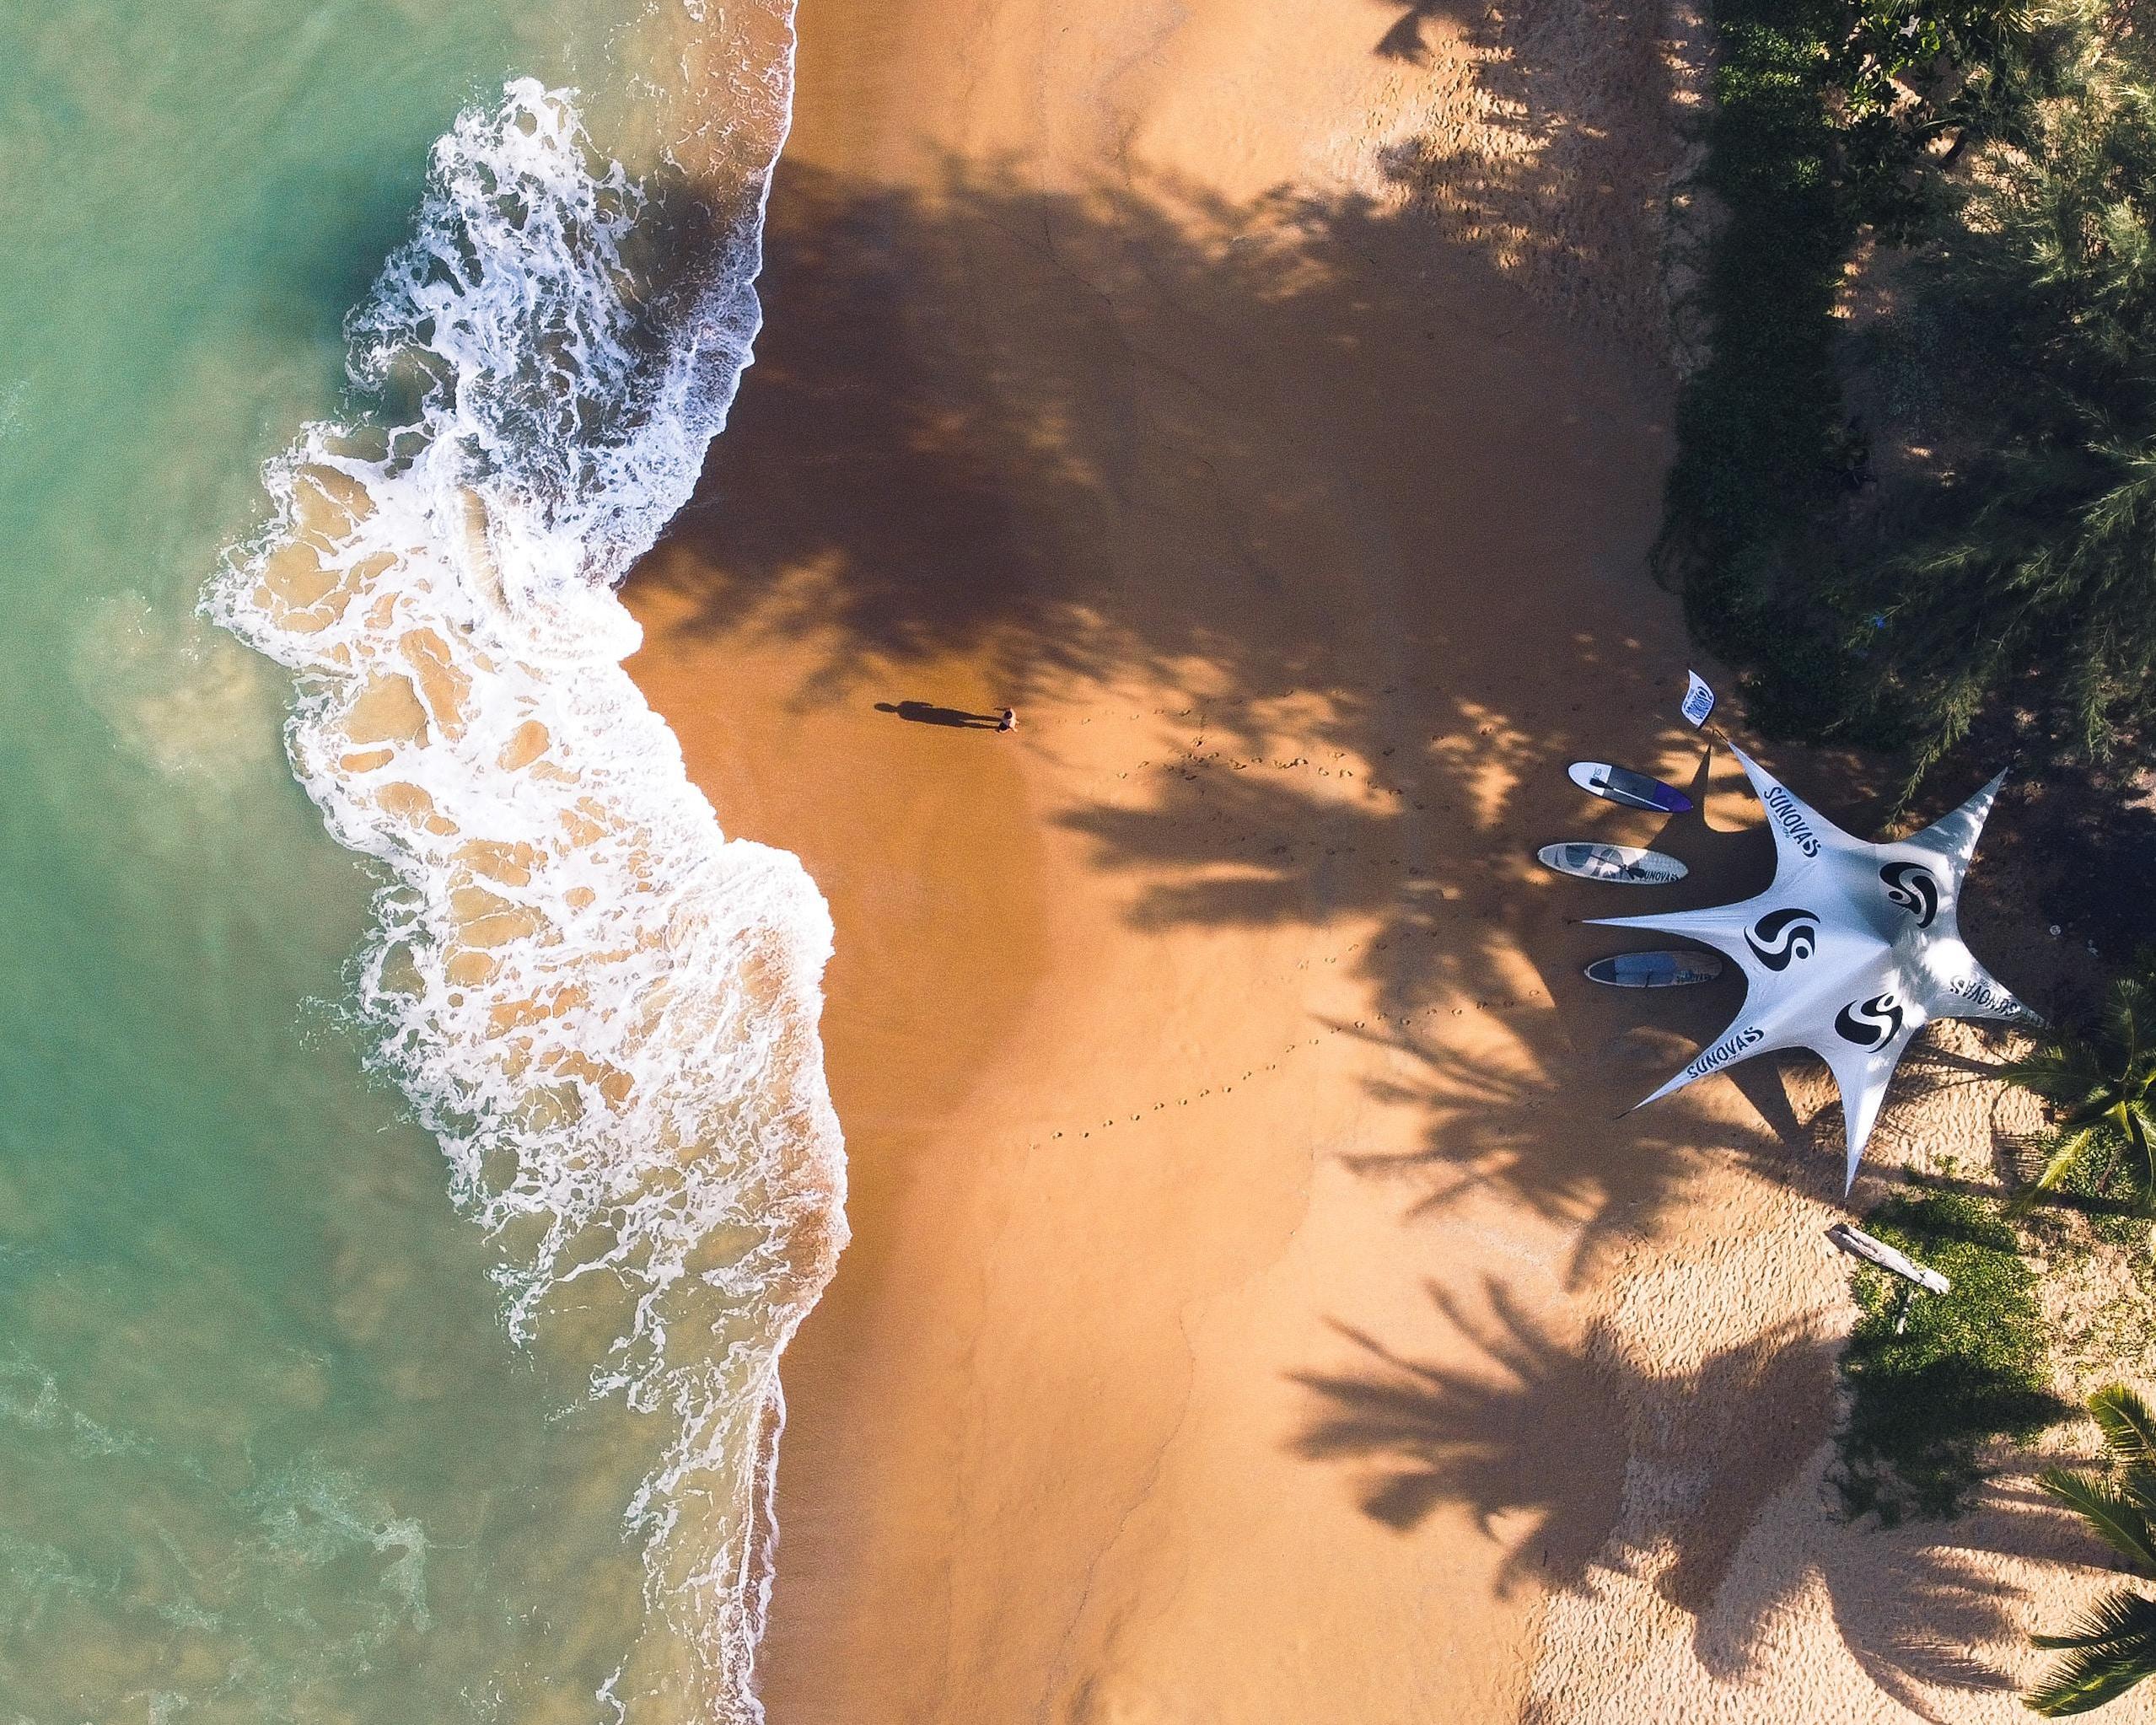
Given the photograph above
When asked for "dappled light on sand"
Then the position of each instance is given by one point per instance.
(1187, 1038)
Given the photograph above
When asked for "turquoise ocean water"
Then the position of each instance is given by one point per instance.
(413, 1148)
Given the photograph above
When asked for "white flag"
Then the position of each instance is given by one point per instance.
(1699, 701)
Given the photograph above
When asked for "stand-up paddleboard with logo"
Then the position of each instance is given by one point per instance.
(1655, 969)
(1634, 790)
(1620, 863)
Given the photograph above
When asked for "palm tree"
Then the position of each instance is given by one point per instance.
(2027, 579)
(2102, 1086)
(2114, 1645)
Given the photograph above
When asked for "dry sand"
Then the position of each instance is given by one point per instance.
(1254, 1313)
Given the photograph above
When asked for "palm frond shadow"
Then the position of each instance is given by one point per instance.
(810, 526)
(1682, 1464)
(1416, 1434)
(1940, 1601)
(1909, 1616)
(1543, 1132)
(1476, 1427)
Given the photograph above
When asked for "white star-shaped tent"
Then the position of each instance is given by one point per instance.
(1852, 950)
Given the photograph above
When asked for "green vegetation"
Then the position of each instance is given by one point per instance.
(1746, 509)
(2113, 1647)
(2102, 1083)
(2007, 156)
(1915, 495)
(1969, 1366)
(2029, 574)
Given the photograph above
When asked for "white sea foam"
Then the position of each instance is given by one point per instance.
(605, 1010)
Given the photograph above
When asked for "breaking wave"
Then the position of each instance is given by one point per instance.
(605, 1010)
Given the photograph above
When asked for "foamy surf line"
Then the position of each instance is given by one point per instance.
(604, 1009)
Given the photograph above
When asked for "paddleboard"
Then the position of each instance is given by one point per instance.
(1655, 969)
(1634, 790)
(1621, 863)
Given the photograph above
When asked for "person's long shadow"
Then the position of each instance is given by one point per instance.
(923, 712)
(895, 494)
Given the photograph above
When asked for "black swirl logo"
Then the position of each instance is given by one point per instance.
(1910, 885)
(1870, 1023)
(1780, 937)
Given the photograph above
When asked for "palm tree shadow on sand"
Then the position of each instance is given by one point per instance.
(1405, 40)
(1415, 1435)
(897, 494)
(811, 525)
(1662, 1474)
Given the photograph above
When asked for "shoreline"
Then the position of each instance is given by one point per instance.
(1256, 403)
(1143, 1205)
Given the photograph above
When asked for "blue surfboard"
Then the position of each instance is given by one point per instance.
(1655, 969)
(1634, 790)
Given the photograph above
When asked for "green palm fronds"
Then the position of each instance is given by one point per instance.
(2121, 1523)
(2128, 1424)
(2101, 1087)
(2031, 577)
(2113, 1647)
(2108, 1652)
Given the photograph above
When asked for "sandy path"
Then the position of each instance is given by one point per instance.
(1240, 1223)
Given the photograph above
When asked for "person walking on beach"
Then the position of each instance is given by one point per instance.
(1007, 719)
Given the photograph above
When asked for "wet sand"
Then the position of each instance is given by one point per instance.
(1242, 1317)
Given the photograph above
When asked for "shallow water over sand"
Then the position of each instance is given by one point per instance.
(299, 1419)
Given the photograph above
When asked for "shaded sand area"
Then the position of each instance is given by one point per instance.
(1254, 1312)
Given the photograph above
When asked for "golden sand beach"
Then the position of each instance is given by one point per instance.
(1254, 1312)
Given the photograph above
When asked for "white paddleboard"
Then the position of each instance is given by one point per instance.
(1626, 864)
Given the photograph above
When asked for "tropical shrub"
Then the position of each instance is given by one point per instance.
(2113, 1647)
(2011, 151)
(2100, 1082)
(1969, 1365)
(2029, 575)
